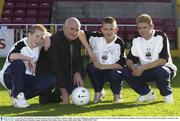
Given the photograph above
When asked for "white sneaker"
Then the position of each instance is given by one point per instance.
(168, 99)
(118, 98)
(148, 97)
(99, 96)
(103, 93)
(20, 101)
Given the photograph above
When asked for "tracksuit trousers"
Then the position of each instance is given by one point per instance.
(17, 81)
(99, 77)
(160, 75)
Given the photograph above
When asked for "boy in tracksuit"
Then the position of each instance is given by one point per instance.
(151, 49)
(108, 49)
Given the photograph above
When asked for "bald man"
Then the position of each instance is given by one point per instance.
(63, 59)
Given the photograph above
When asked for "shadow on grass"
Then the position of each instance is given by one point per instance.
(2, 88)
(65, 110)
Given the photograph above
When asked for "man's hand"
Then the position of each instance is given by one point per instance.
(78, 79)
(64, 96)
(91, 56)
(98, 65)
(47, 42)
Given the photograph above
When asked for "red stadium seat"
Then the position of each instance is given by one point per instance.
(171, 33)
(43, 20)
(20, 0)
(9, 0)
(131, 32)
(18, 20)
(168, 22)
(8, 13)
(44, 13)
(19, 13)
(32, 6)
(31, 13)
(30, 20)
(9, 5)
(158, 21)
(47, 1)
(93, 28)
(131, 29)
(46, 6)
(21, 5)
(130, 21)
(89, 20)
(122, 32)
(6, 20)
(121, 21)
(158, 28)
(35, 1)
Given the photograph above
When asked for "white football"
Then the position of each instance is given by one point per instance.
(80, 96)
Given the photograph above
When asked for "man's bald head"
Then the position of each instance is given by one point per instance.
(72, 20)
(71, 28)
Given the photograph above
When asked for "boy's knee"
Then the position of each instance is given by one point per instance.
(125, 72)
(162, 72)
(115, 75)
(19, 66)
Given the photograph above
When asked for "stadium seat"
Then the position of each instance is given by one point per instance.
(131, 32)
(122, 32)
(47, 1)
(30, 20)
(93, 28)
(46, 6)
(171, 33)
(130, 21)
(18, 20)
(9, 5)
(32, 6)
(89, 20)
(6, 20)
(9, 0)
(35, 1)
(31, 13)
(21, 5)
(44, 13)
(20, 0)
(168, 22)
(158, 28)
(43, 20)
(8, 13)
(121, 21)
(158, 21)
(19, 13)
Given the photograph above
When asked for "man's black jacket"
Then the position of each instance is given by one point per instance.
(58, 60)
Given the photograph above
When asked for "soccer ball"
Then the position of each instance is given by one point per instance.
(80, 96)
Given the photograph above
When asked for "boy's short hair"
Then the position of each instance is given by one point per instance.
(144, 18)
(109, 20)
(37, 27)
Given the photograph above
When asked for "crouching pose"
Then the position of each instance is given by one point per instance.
(151, 49)
(18, 73)
(109, 51)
